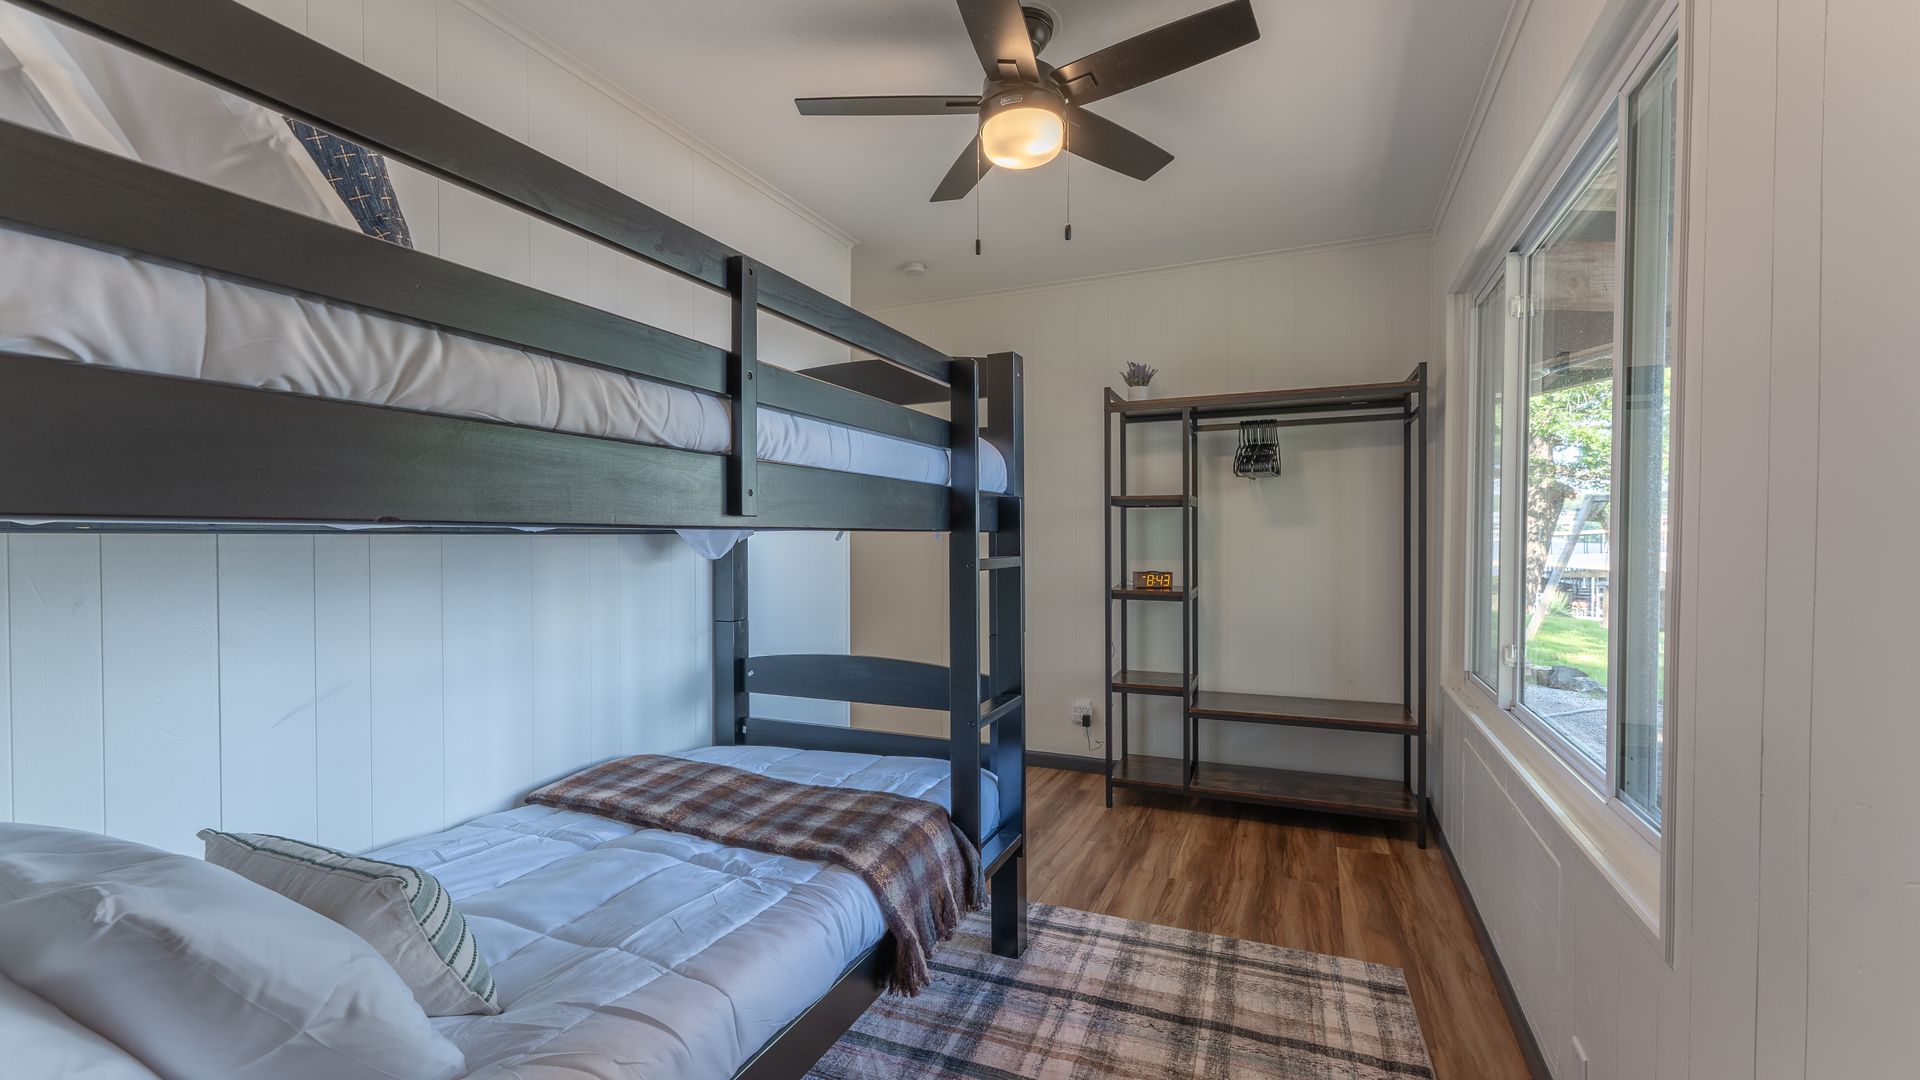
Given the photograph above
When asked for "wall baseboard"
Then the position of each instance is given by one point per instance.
(1068, 762)
(1516, 1019)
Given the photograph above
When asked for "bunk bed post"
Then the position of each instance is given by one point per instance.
(743, 363)
(730, 646)
(963, 599)
(1001, 375)
(1007, 629)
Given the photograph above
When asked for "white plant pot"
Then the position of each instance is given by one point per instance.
(1139, 393)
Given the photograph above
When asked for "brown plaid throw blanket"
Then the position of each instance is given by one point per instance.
(924, 871)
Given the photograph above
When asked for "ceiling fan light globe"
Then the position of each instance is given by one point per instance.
(1022, 136)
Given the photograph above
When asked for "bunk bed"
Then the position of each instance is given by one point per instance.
(119, 443)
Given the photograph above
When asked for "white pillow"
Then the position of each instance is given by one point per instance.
(176, 122)
(197, 971)
(41, 86)
(41, 1040)
(71, 83)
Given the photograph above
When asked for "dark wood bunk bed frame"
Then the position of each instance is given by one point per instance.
(98, 448)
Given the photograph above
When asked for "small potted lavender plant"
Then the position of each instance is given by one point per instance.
(1138, 377)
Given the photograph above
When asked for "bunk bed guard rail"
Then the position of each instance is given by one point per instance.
(108, 445)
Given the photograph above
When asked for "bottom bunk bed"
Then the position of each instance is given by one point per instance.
(624, 952)
(579, 947)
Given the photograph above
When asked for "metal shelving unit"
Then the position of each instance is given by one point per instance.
(1402, 402)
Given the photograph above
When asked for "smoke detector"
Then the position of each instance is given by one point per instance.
(914, 268)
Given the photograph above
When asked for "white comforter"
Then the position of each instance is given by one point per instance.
(66, 301)
(623, 952)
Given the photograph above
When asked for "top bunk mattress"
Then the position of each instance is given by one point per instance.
(628, 953)
(68, 301)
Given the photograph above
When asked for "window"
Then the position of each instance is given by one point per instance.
(1489, 350)
(1573, 355)
(1569, 465)
(1647, 453)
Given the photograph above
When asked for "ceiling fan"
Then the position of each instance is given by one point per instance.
(1028, 110)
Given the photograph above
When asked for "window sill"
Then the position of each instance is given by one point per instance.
(1624, 857)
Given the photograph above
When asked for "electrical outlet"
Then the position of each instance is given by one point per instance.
(1083, 713)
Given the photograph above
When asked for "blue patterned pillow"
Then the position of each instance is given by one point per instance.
(359, 176)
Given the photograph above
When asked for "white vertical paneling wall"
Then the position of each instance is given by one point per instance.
(356, 689)
(59, 730)
(1790, 944)
(1861, 901)
(351, 689)
(1300, 575)
(343, 689)
(267, 733)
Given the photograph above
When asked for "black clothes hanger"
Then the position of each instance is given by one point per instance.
(1259, 452)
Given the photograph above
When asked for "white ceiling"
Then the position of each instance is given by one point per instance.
(1341, 122)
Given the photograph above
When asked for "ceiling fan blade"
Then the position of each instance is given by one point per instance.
(967, 170)
(904, 105)
(1158, 53)
(1103, 142)
(999, 33)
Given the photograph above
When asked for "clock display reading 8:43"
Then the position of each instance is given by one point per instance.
(1160, 580)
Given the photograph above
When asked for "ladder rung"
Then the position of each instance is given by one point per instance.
(999, 706)
(1000, 562)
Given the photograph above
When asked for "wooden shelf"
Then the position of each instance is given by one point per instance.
(1140, 502)
(1172, 595)
(1147, 773)
(1147, 682)
(1323, 792)
(1330, 399)
(1391, 717)
(1360, 795)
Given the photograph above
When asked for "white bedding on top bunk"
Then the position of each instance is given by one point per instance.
(68, 301)
(623, 952)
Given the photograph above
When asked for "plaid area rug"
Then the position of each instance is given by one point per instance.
(1097, 996)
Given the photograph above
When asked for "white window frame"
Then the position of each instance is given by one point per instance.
(1608, 128)
(1494, 291)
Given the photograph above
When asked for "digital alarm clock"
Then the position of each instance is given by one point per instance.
(1153, 579)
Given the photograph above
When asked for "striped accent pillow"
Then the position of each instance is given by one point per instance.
(403, 913)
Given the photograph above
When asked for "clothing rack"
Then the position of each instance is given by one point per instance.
(1402, 402)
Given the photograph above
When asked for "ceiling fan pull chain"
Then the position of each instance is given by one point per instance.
(1066, 151)
(977, 194)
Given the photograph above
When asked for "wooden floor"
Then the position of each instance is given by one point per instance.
(1345, 886)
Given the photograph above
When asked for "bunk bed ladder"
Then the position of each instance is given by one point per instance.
(1005, 689)
(1001, 842)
